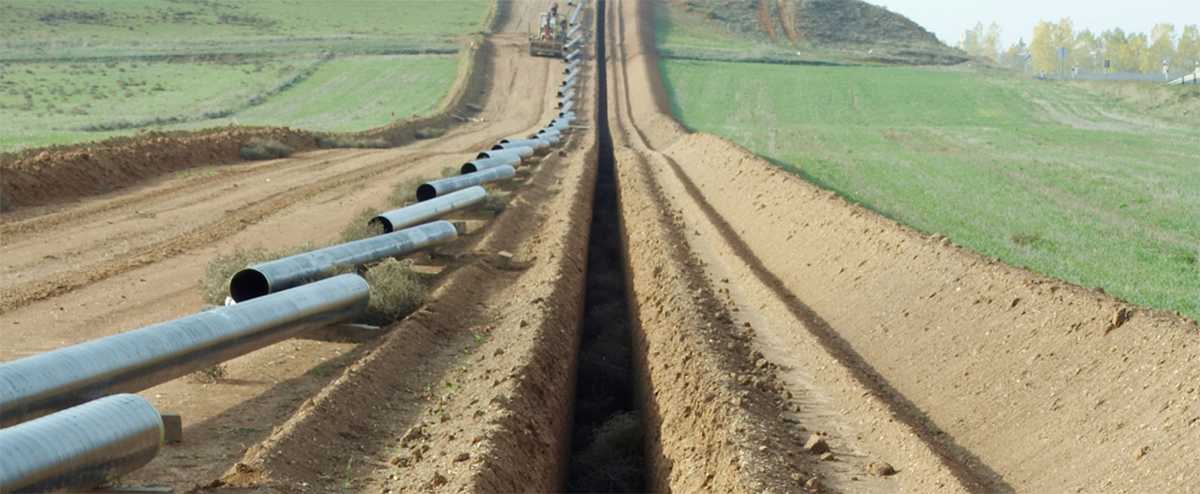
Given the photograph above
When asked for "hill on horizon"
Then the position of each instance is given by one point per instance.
(859, 30)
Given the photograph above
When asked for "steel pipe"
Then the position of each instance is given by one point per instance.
(435, 188)
(566, 99)
(569, 77)
(566, 109)
(532, 142)
(575, 15)
(80, 448)
(522, 151)
(552, 139)
(572, 65)
(571, 55)
(567, 88)
(572, 42)
(485, 163)
(422, 212)
(548, 131)
(282, 274)
(574, 29)
(132, 361)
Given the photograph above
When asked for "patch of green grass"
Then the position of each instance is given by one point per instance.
(73, 71)
(1068, 182)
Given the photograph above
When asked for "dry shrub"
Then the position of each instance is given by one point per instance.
(349, 141)
(361, 226)
(396, 291)
(264, 149)
(209, 375)
(214, 284)
(613, 462)
(495, 201)
(451, 171)
(405, 191)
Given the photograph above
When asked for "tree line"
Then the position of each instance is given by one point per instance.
(1087, 51)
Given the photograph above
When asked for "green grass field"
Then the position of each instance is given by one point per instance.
(1058, 178)
(76, 70)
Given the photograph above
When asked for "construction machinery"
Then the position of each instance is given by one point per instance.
(551, 34)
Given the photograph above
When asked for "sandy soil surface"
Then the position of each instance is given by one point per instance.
(769, 314)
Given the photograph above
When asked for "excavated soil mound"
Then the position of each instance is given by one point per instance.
(55, 176)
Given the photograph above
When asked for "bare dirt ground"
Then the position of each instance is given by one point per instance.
(766, 310)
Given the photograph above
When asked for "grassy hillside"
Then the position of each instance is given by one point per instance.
(1066, 181)
(74, 70)
(794, 32)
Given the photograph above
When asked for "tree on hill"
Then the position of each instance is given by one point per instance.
(1047, 39)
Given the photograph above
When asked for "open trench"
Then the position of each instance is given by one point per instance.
(607, 437)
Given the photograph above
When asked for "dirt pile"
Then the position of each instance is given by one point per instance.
(64, 174)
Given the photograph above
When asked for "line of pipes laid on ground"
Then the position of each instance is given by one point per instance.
(68, 421)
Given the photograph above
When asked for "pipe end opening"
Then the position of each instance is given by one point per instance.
(467, 168)
(426, 192)
(381, 223)
(247, 284)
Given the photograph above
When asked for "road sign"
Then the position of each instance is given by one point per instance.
(1062, 52)
(1106, 63)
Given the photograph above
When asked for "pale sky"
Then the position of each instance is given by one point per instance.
(947, 18)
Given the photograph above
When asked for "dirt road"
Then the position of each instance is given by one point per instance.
(766, 310)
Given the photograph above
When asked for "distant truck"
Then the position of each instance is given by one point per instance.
(551, 35)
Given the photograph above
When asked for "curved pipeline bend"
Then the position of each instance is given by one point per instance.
(421, 212)
(80, 448)
(132, 361)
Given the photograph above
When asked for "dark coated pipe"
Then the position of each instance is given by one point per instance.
(522, 151)
(567, 88)
(571, 55)
(566, 109)
(566, 99)
(80, 448)
(485, 163)
(572, 43)
(434, 188)
(572, 65)
(569, 77)
(282, 274)
(132, 361)
(421, 212)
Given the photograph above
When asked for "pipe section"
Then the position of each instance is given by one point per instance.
(282, 274)
(548, 131)
(132, 361)
(80, 448)
(574, 30)
(432, 189)
(566, 109)
(572, 65)
(421, 212)
(485, 163)
(522, 151)
(533, 142)
(567, 88)
(572, 42)
(575, 15)
(569, 77)
(566, 99)
(571, 55)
